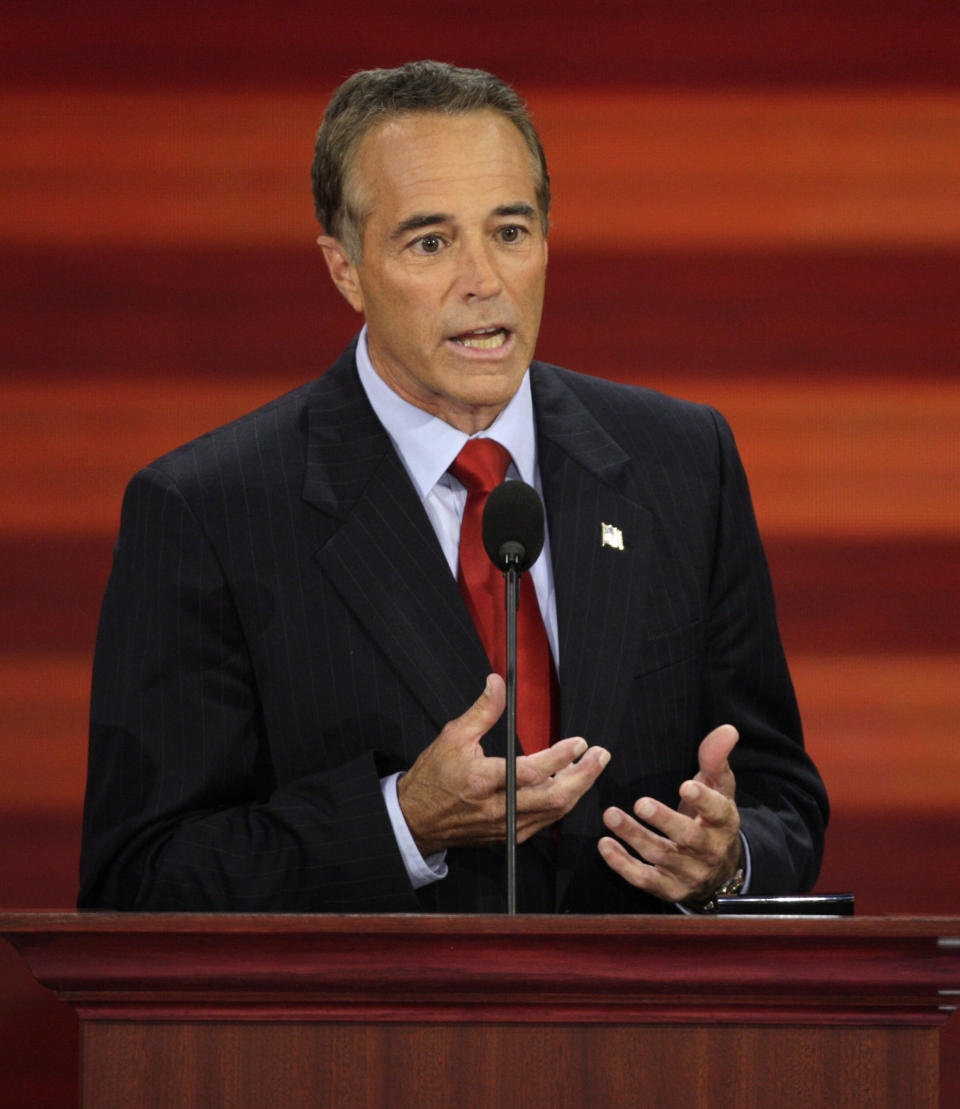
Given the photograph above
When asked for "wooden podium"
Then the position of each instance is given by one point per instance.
(184, 1011)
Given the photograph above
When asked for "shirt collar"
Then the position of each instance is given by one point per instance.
(428, 445)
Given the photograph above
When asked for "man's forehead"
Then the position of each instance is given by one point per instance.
(425, 150)
(400, 124)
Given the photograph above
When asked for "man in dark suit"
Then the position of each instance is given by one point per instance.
(285, 706)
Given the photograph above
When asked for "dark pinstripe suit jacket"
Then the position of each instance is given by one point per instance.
(281, 629)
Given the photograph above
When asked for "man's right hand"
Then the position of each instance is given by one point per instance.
(455, 794)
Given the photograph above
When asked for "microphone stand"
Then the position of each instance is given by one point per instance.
(512, 577)
(513, 538)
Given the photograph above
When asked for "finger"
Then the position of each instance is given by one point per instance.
(578, 776)
(548, 801)
(637, 872)
(564, 788)
(535, 768)
(481, 715)
(648, 843)
(710, 805)
(680, 868)
(713, 754)
(689, 826)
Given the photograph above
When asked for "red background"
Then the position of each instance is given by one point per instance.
(756, 206)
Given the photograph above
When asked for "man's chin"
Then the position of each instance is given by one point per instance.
(495, 388)
(485, 372)
(475, 406)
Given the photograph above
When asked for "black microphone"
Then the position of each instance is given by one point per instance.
(513, 525)
(513, 538)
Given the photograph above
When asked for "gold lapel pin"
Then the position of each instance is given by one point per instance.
(611, 536)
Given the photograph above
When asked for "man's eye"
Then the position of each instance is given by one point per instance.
(512, 234)
(429, 244)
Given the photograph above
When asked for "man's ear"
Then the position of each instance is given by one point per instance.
(342, 271)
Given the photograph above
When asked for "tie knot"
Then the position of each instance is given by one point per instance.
(482, 465)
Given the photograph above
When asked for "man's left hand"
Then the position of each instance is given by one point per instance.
(694, 849)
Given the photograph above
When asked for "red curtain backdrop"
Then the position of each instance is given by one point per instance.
(755, 206)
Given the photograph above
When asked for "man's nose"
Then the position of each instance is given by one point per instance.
(479, 276)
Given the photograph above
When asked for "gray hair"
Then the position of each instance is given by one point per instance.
(373, 95)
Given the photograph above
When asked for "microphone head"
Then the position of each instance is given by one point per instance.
(513, 525)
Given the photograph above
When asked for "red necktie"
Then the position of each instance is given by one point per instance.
(481, 466)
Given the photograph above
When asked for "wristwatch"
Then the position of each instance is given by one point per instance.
(730, 888)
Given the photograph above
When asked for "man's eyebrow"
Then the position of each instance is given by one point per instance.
(521, 208)
(432, 219)
(418, 222)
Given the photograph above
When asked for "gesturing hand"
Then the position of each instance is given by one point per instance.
(698, 847)
(455, 794)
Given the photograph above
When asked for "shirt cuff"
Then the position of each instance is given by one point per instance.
(746, 878)
(421, 871)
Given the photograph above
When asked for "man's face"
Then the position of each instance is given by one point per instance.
(451, 274)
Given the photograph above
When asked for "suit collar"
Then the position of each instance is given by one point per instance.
(564, 420)
(589, 481)
(345, 442)
(382, 543)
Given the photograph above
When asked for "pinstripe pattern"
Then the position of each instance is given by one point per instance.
(280, 629)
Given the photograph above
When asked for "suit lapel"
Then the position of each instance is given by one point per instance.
(599, 587)
(384, 558)
(586, 484)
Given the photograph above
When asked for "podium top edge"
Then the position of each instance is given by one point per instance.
(60, 923)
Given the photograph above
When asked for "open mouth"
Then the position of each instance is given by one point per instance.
(484, 338)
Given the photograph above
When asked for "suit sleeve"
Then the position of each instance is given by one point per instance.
(183, 810)
(782, 801)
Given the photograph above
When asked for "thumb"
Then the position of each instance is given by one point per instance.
(713, 754)
(481, 716)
